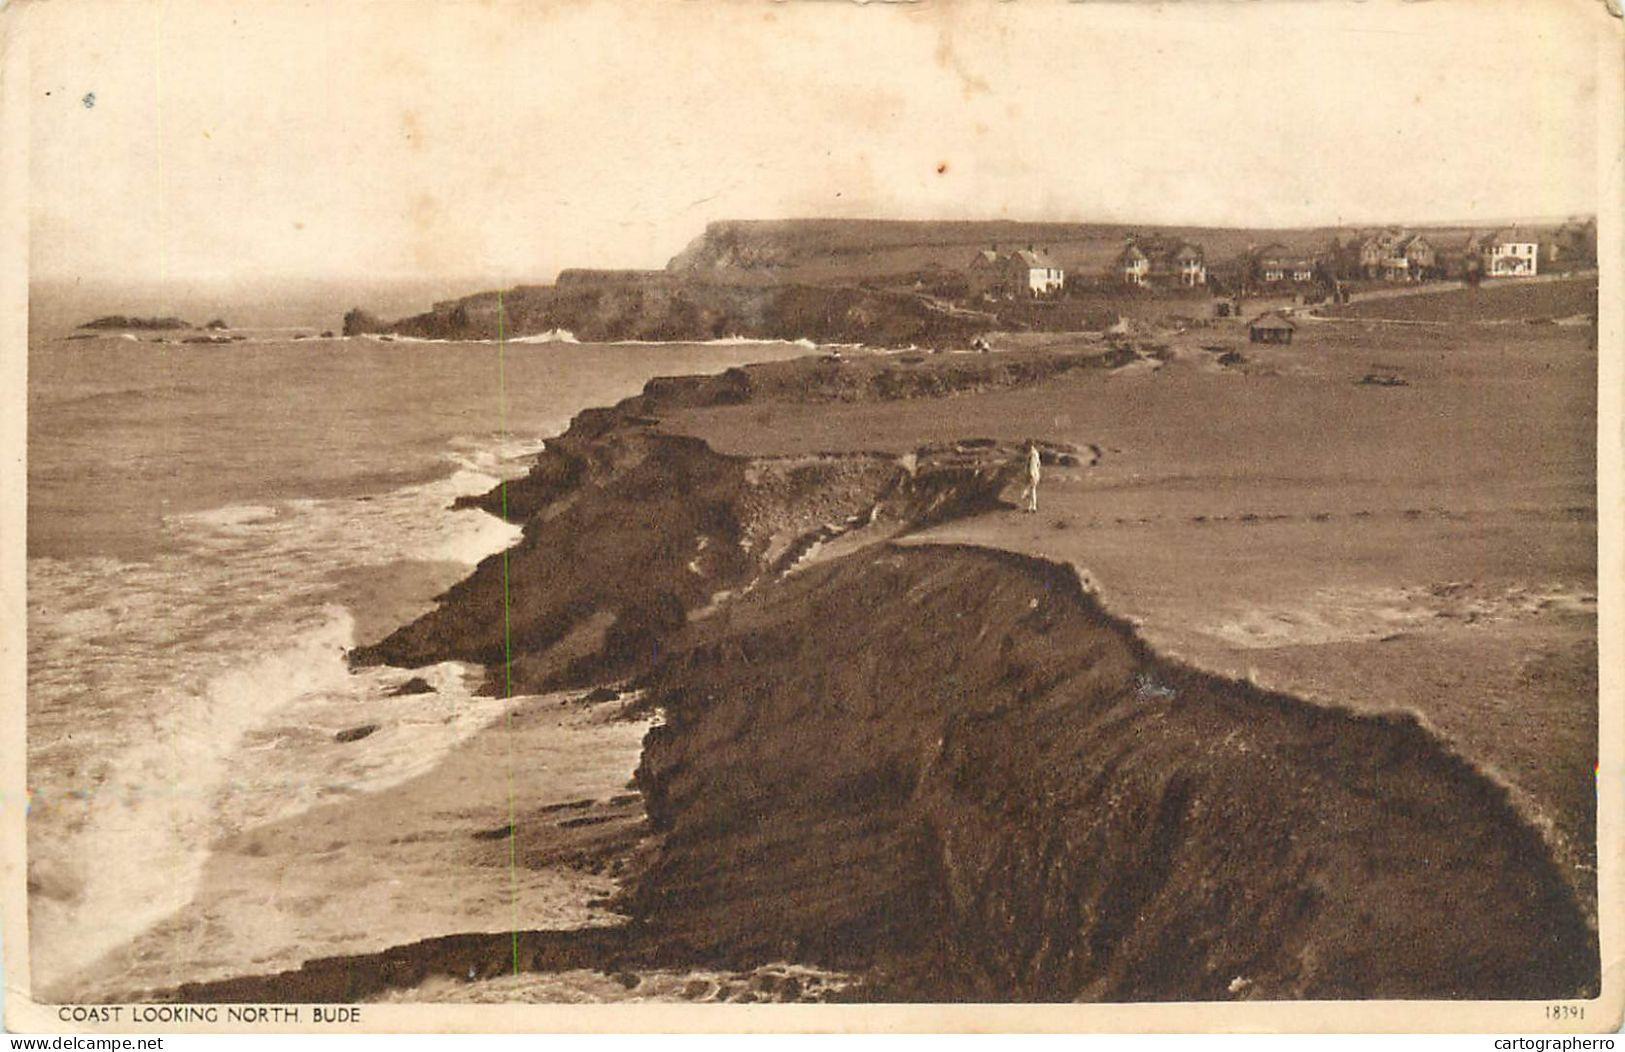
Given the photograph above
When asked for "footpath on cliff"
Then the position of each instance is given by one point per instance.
(1289, 689)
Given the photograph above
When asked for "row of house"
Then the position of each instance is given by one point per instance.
(1032, 272)
(1399, 255)
(1393, 254)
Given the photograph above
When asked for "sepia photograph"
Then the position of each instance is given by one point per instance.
(589, 515)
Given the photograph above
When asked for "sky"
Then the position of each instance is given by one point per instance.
(399, 139)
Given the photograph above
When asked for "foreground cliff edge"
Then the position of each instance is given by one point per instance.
(948, 769)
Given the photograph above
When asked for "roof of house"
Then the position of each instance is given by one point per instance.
(987, 255)
(1159, 252)
(1288, 262)
(1271, 320)
(1512, 236)
(1033, 258)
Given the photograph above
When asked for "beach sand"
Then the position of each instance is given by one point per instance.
(426, 857)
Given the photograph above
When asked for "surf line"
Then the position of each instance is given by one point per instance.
(507, 639)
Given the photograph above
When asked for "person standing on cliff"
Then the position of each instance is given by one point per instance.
(1034, 470)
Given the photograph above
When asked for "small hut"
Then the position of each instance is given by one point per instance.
(1270, 328)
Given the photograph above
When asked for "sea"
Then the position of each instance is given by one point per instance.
(210, 529)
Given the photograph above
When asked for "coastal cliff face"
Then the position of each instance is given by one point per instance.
(657, 306)
(950, 769)
(629, 531)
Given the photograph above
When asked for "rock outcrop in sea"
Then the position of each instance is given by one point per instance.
(117, 322)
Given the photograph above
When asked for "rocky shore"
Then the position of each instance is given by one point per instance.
(947, 770)
(658, 306)
(630, 530)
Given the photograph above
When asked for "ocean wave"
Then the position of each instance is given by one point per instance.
(326, 535)
(176, 700)
(137, 831)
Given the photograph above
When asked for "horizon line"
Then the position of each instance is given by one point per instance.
(373, 277)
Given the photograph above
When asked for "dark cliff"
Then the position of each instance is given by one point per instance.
(629, 530)
(660, 307)
(949, 769)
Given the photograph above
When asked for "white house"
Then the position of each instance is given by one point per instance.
(1511, 254)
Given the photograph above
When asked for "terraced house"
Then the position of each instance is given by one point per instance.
(1277, 265)
(1028, 272)
(1396, 255)
(1154, 261)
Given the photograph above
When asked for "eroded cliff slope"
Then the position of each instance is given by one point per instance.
(950, 769)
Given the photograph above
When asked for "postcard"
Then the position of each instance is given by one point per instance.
(810, 516)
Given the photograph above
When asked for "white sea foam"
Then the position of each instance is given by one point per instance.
(720, 341)
(550, 336)
(185, 698)
(140, 829)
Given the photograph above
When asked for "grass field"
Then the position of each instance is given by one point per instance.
(1488, 302)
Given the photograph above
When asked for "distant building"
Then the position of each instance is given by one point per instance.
(1270, 328)
(984, 275)
(1420, 255)
(1134, 265)
(1381, 255)
(1277, 264)
(1510, 253)
(1192, 265)
(1160, 261)
(1032, 272)
(1025, 272)
(1395, 255)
